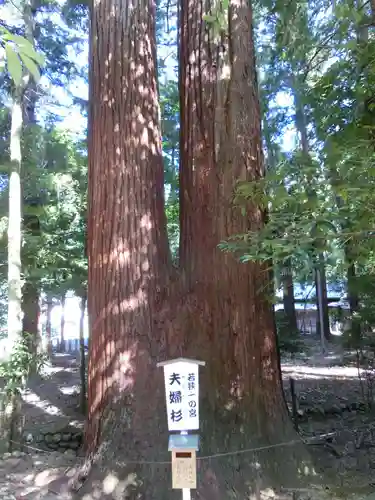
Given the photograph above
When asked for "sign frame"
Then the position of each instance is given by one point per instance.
(183, 403)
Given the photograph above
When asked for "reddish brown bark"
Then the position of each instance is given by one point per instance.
(217, 309)
(82, 364)
(221, 145)
(127, 240)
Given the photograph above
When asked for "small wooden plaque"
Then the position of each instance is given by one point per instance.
(184, 469)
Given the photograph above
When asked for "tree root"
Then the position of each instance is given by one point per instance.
(267, 472)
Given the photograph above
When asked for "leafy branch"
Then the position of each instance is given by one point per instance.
(18, 53)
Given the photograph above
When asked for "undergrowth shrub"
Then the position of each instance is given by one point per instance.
(14, 373)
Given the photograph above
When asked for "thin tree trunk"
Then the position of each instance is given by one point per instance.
(62, 324)
(288, 297)
(82, 365)
(11, 423)
(14, 320)
(349, 246)
(30, 309)
(353, 299)
(372, 21)
(349, 250)
(301, 126)
(286, 273)
(30, 299)
(48, 339)
(31, 312)
(321, 287)
(14, 227)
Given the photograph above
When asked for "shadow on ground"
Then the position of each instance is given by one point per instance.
(332, 419)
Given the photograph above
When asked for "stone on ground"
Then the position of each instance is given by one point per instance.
(35, 477)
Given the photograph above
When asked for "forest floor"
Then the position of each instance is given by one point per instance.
(332, 417)
(51, 413)
(333, 414)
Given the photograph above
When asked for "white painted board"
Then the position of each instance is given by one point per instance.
(182, 395)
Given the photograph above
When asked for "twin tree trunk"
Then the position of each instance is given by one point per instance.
(141, 311)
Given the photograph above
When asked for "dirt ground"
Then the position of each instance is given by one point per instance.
(333, 415)
(332, 418)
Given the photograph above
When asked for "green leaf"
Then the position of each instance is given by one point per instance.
(25, 47)
(35, 56)
(31, 66)
(20, 41)
(14, 65)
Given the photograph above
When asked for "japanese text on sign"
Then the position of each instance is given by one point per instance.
(184, 472)
(182, 391)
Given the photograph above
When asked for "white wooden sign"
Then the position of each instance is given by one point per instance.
(181, 377)
(184, 469)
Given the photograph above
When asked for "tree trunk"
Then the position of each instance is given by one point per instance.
(228, 302)
(349, 249)
(82, 366)
(353, 297)
(14, 227)
(10, 414)
(322, 285)
(30, 299)
(301, 126)
(62, 324)
(127, 240)
(15, 319)
(288, 296)
(217, 309)
(30, 321)
(286, 272)
(48, 339)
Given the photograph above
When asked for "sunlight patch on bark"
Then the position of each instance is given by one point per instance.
(268, 370)
(134, 302)
(225, 73)
(121, 377)
(119, 255)
(146, 221)
(125, 366)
